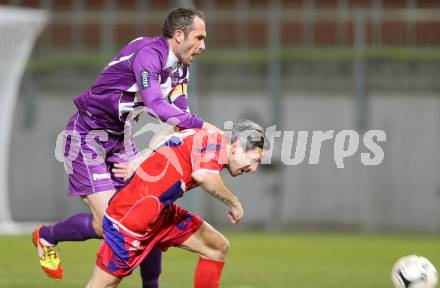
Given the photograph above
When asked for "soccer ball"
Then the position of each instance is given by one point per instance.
(414, 272)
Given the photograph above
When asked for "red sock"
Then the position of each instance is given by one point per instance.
(208, 273)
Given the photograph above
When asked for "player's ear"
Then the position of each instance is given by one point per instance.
(234, 147)
(179, 36)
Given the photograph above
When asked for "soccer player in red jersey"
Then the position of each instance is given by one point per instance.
(143, 214)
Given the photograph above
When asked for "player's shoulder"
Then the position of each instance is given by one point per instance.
(151, 47)
(205, 137)
(203, 132)
(199, 135)
(211, 133)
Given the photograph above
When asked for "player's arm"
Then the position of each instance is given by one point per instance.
(182, 103)
(125, 170)
(146, 67)
(214, 185)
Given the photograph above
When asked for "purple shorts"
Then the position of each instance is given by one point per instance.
(89, 156)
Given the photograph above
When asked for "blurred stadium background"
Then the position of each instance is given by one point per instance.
(299, 64)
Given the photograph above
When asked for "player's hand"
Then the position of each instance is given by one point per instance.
(236, 212)
(123, 170)
(209, 126)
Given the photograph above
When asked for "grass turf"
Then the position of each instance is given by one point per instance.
(266, 260)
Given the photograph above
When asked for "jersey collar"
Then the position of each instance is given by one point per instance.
(172, 60)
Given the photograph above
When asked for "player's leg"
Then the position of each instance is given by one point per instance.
(89, 177)
(80, 226)
(151, 266)
(102, 279)
(150, 269)
(90, 180)
(213, 248)
(118, 256)
(98, 202)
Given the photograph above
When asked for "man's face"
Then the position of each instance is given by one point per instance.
(240, 162)
(193, 43)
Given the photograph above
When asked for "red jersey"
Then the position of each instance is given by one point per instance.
(165, 176)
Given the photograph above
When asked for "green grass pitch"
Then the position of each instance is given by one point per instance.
(263, 260)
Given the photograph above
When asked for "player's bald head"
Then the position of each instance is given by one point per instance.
(180, 19)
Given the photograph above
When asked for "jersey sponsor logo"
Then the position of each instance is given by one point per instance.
(101, 176)
(145, 79)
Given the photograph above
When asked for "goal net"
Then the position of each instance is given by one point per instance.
(19, 28)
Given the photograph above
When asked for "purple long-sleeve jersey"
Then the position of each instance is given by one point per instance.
(144, 73)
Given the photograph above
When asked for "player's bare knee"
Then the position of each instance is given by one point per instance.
(219, 249)
(223, 248)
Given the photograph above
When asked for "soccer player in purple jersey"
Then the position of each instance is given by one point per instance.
(150, 73)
